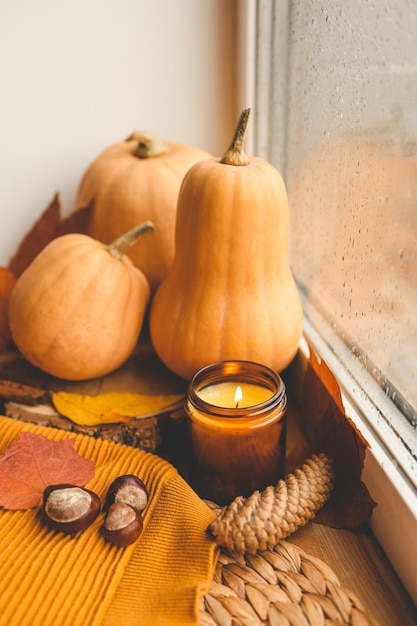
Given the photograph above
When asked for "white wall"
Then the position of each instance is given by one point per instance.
(78, 75)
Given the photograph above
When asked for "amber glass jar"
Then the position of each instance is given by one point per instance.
(237, 439)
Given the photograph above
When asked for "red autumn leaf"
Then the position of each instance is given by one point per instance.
(7, 282)
(32, 462)
(48, 226)
(36, 238)
(77, 222)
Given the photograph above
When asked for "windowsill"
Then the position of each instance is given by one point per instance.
(394, 519)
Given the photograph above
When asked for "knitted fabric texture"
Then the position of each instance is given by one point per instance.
(51, 579)
(261, 520)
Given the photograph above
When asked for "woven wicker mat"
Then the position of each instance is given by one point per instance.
(280, 587)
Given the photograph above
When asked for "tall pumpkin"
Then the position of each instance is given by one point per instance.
(230, 293)
(133, 181)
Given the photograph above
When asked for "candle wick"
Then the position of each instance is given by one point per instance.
(238, 396)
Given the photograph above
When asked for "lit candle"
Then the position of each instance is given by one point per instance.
(237, 423)
(230, 394)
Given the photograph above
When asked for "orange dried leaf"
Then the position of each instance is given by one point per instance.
(328, 430)
(7, 282)
(32, 462)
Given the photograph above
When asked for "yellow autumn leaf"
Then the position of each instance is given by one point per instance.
(112, 407)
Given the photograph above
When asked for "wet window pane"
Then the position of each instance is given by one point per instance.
(349, 157)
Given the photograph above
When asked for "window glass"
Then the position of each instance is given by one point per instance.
(350, 163)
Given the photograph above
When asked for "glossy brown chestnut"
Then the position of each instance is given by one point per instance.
(69, 508)
(123, 524)
(128, 489)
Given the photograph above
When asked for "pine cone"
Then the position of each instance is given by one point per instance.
(261, 520)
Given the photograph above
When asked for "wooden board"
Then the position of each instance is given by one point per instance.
(26, 394)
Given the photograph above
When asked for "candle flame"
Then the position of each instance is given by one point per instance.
(238, 395)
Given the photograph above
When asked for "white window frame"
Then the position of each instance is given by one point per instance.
(394, 519)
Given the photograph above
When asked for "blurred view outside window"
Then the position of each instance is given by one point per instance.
(337, 114)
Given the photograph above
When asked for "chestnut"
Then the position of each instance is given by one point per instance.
(128, 489)
(69, 508)
(123, 524)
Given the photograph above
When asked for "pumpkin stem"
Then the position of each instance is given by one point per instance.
(147, 145)
(235, 154)
(118, 247)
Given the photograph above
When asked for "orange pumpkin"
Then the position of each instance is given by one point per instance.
(133, 181)
(77, 311)
(230, 293)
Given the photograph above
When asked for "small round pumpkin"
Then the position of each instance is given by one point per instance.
(77, 311)
(230, 293)
(132, 181)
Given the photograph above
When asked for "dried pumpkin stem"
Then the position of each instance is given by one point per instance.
(118, 247)
(147, 145)
(235, 154)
